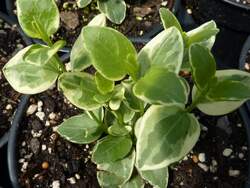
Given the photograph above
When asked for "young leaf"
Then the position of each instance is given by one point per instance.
(118, 130)
(40, 54)
(202, 33)
(159, 86)
(83, 3)
(111, 149)
(30, 78)
(122, 169)
(108, 180)
(115, 10)
(104, 85)
(203, 65)
(99, 20)
(112, 53)
(168, 19)
(80, 129)
(79, 88)
(118, 96)
(170, 133)
(134, 182)
(212, 106)
(158, 178)
(165, 50)
(38, 18)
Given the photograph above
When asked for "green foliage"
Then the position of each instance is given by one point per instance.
(136, 105)
(114, 10)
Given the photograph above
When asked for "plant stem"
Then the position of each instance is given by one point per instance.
(103, 125)
(196, 101)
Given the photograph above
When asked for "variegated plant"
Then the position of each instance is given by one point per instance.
(136, 108)
(114, 10)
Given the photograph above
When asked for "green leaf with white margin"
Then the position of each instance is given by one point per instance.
(211, 107)
(121, 170)
(98, 113)
(30, 78)
(168, 19)
(202, 33)
(157, 178)
(114, 62)
(124, 113)
(167, 134)
(41, 54)
(110, 149)
(83, 3)
(98, 20)
(159, 86)
(80, 129)
(115, 10)
(38, 18)
(203, 65)
(165, 50)
(118, 96)
(137, 127)
(79, 88)
(134, 182)
(103, 85)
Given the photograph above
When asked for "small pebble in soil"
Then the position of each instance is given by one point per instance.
(72, 180)
(202, 157)
(203, 167)
(233, 173)
(35, 145)
(77, 176)
(195, 159)
(45, 165)
(44, 147)
(241, 155)
(8, 107)
(56, 184)
(52, 116)
(31, 109)
(227, 152)
(40, 115)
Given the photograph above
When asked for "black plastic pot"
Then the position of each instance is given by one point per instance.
(174, 4)
(7, 19)
(243, 56)
(225, 12)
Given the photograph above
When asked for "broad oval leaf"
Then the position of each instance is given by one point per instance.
(202, 33)
(30, 78)
(121, 170)
(168, 19)
(159, 86)
(80, 129)
(38, 18)
(166, 135)
(157, 178)
(79, 88)
(83, 3)
(112, 53)
(165, 50)
(115, 10)
(111, 149)
(117, 97)
(213, 107)
(104, 85)
(203, 65)
(108, 180)
(119, 130)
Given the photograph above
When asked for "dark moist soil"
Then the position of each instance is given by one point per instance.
(218, 135)
(69, 165)
(10, 43)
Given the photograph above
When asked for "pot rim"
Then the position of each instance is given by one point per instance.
(239, 5)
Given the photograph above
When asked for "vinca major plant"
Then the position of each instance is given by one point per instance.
(136, 107)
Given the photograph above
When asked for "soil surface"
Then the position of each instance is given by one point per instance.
(140, 18)
(219, 159)
(10, 43)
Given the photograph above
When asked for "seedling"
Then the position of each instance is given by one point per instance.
(114, 10)
(136, 108)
